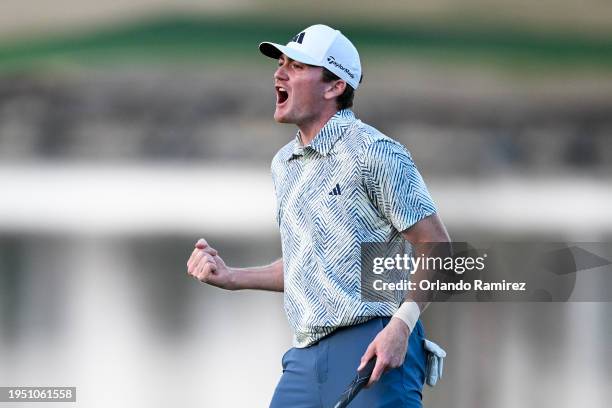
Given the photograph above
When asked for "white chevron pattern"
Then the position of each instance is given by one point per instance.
(381, 193)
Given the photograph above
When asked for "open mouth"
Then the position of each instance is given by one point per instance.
(281, 95)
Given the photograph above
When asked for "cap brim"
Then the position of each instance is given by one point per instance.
(274, 50)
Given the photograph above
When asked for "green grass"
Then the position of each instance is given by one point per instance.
(203, 39)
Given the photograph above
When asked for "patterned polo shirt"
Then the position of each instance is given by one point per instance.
(352, 184)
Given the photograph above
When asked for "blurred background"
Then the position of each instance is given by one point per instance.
(129, 129)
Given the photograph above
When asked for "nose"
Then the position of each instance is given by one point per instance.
(280, 73)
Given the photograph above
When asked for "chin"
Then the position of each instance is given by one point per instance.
(280, 118)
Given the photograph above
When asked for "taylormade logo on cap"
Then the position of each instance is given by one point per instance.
(321, 46)
(332, 60)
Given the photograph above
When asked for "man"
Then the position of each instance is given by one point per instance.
(338, 184)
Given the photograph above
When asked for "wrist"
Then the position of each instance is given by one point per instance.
(232, 281)
(408, 313)
(401, 326)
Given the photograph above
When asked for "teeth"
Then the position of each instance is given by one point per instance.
(280, 88)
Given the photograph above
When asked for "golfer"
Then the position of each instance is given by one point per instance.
(338, 184)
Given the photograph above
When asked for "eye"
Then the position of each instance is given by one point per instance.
(297, 65)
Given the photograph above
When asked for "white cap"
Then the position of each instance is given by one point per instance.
(321, 46)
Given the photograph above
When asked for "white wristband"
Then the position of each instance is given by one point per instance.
(409, 313)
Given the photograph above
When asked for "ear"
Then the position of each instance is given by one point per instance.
(334, 89)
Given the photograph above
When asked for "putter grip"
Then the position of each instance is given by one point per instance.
(360, 380)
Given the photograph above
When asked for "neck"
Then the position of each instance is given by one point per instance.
(309, 129)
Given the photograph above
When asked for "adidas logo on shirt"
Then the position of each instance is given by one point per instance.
(336, 190)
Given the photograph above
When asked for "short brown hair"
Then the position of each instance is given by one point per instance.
(345, 100)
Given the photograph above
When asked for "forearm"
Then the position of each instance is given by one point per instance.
(419, 296)
(269, 277)
(429, 238)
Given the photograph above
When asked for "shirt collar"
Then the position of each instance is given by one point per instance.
(327, 136)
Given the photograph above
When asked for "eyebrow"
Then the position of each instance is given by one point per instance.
(284, 57)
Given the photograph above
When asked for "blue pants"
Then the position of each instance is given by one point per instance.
(315, 376)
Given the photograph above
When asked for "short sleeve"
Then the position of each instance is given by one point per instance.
(394, 184)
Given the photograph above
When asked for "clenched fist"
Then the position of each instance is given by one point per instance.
(205, 265)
